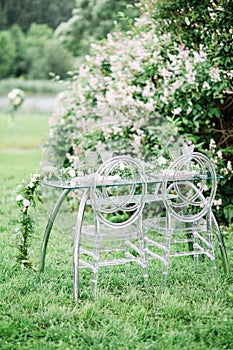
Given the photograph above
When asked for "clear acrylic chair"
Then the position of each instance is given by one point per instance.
(116, 237)
(188, 226)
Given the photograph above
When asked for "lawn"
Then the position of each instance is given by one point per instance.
(37, 310)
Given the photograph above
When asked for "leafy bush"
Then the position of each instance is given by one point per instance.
(145, 77)
(206, 26)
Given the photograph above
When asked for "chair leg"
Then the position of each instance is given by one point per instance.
(96, 259)
(77, 236)
(166, 259)
(95, 279)
(211, 242)
(196, 256)
(221, 244)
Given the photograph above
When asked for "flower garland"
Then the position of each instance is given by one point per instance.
(26, 198)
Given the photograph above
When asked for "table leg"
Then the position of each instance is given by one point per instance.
(77, 236)
(49, 228)
(221, 245)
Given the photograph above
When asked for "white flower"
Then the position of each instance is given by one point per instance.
(217, 203)
(16, 97)
(19, 197)
(71, 173)
(229, 165)
(161, 160)
(206, 85)
(212, 144)
(137, 139)
(187, 21)
(214, 74)
(177, 110)
(122, 166)
(219, 154)
(26, 202)
(204, 187)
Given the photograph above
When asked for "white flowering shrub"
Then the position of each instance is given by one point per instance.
(154, 73)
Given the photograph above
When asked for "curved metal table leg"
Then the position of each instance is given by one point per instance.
(77, 236)
(49, 228)
(221, 245)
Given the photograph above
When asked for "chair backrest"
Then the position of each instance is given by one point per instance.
(118, 190)
(189, 186)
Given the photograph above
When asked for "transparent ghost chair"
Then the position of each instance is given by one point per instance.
(188, 227)
(116, 237)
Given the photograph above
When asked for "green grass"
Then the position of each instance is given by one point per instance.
(37, 310)
(26, 132)
(30, 86)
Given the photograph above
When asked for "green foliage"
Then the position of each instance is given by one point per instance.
(43, 54)
(51, 58)
(93, 20)
(34, 54)
(25, 12)
(18, 38)
(153, 71)
(38, 34)
(7, 54)
(29, 52)
(26, 198)
(207, 25)
(194, 23)
(223, 201)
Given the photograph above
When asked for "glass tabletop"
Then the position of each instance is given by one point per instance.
(87, 181)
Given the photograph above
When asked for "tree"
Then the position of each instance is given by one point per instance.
(7, 54)
(25, 12)
(54, 59)
(92, 20)
(40, 59)
(19, 40)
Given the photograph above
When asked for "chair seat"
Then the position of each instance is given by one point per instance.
(148, 198)
(108, 234)
(160, 224)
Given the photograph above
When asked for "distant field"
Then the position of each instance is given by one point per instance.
(31, 86)
(28, 131)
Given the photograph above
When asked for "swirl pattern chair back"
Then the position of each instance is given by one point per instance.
(115, 188)
(192, 178)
